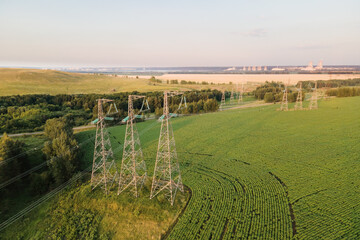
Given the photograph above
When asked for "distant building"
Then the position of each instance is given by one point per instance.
(230, 69)
(309, 67)
(265, 68)
(259, 68)
(319, 66)
(253, 68)
(278, 69)
(244, 68)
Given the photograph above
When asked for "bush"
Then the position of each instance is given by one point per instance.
(269, 97)
(40, 183)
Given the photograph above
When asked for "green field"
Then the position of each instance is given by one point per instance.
(14, 81)
(254, 173)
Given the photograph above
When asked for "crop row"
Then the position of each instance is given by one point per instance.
(238, 203)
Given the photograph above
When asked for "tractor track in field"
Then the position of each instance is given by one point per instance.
(309, 195)
(291, 209)
(167, 233)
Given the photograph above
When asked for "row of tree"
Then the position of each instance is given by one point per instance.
(344, 92)
(331, 83)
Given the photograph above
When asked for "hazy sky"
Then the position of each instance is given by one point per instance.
(178, 33)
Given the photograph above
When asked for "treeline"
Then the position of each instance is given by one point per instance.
(154, 80)
(330, 83)
(28, 113)
(273, 92)
(344, 92)
(188, 82)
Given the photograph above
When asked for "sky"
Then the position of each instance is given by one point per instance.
(182, 33)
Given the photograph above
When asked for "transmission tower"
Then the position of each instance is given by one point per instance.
(167, 175)
(298, 104)
(232, 96)
(284, 102)
(241, 93)
(104, 169)
(313, 100)
(223, 98)
(133, 167)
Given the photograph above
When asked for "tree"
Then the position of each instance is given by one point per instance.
(61, 150)
(13, 158)
(211, 105)
(54, 127)
(269, 97)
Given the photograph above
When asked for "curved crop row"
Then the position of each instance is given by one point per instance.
(234, 203)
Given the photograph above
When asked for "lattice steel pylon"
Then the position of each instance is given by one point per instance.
(167, 176)
(232, 96)
(223, 98)
(299, 104)
(284, 102)
(104, 169)
(133, 168)
(240, 99)
(314, 98)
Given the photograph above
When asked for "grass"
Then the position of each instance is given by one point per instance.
(79, 213)
(14, 81)
(254, 173)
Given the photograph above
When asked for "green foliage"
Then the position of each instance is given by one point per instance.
(275, 88)
(13, 161)
(244, 173)
(80, 213)
(40, 183)
(56, 126)
(330, 83)
(211, 105)
(269, 97)
(29, 113)
(67, 223)
(154, 80)
(343, 92)
(188, 82)
(13, 158)
(273, 92)
(227, 168)
(61, 150)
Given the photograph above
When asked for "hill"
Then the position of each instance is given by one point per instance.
(35, 81)
(16, 81)
(257, 173)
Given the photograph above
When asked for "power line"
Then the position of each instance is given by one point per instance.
(14, 179)
(57, 190)
(6, 161)
(38, 202)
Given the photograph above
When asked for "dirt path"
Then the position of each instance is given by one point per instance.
(255, 104)
(42, 132)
